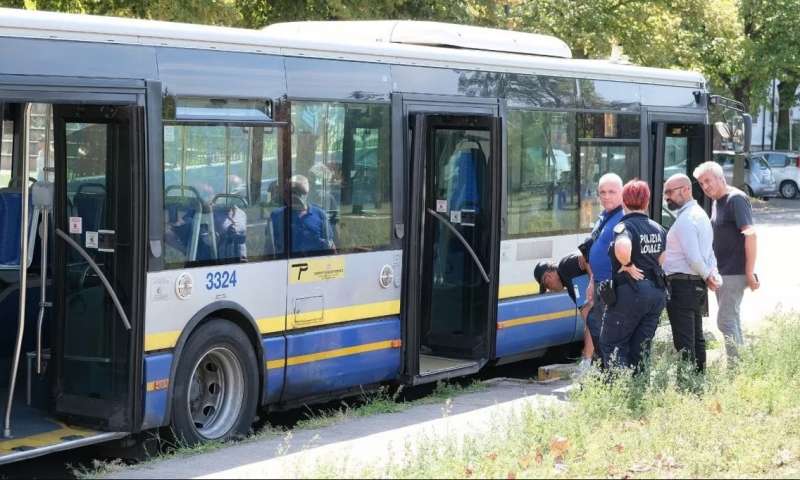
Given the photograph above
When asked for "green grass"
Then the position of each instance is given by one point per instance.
(383, 401)
(744, 421)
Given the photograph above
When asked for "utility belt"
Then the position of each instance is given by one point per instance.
(658, 279)
(607, 289)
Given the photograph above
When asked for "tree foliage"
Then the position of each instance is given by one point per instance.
(739, 45)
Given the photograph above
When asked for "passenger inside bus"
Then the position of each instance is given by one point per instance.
(310, 228)
(187, 227)
(230, 221)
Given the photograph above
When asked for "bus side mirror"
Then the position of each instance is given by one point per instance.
(748, 131)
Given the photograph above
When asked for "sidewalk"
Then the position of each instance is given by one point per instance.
(358, 442)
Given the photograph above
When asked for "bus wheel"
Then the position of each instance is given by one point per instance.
(216, 385)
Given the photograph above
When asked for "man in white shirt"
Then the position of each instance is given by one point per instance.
(691, 268)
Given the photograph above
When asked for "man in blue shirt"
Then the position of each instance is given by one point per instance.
(609, 192)
(310, 229)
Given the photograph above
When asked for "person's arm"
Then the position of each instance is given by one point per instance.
(622, 250)
(750, 248)
(689, 240)
(744, 220)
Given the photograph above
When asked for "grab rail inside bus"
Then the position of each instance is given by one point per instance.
(72, 243)
(463, 242)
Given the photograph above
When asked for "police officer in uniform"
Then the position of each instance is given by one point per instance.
(638, 283)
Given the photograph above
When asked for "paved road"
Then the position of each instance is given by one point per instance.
(357, 443)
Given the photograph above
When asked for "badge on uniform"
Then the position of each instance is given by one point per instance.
(619, 228)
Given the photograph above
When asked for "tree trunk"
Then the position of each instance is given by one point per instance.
(786, 93)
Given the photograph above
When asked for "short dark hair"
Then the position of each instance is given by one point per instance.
(540, 269)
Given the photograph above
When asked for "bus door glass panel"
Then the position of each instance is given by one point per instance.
(683, 151)
(457, 204)
(94, 181)
(607, 143)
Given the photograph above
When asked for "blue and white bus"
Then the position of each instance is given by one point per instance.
(199, 223)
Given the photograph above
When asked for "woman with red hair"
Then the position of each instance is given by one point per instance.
(638, 283)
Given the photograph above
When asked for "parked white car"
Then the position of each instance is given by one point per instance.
(786, 170)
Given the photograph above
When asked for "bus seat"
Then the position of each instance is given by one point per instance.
(182, 224)
(464, 184)
(10, 231)
(89, 203)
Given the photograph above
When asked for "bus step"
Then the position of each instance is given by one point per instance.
(59, 437)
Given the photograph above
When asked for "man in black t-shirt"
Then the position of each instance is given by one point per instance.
(734, 247)
(568, 273)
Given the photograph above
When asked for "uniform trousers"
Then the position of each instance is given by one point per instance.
(630, 324)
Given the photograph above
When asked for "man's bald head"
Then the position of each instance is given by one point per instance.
(678, 180)
(609, 191)
(677, 191)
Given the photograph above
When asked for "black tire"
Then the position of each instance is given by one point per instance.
(216, 385)
(788, 189)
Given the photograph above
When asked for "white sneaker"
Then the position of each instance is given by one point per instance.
(583, 368)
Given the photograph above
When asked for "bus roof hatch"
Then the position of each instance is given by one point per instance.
(431, 34)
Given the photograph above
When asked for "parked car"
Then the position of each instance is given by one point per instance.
(758, 178)
(786, 170)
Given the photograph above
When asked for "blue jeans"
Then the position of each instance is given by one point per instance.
(629, 326)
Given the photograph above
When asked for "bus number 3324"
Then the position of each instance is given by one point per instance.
(220, 280)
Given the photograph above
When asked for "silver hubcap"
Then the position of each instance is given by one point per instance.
(788, 190)
(216, 393)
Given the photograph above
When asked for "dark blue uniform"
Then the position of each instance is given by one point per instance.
(629, 325)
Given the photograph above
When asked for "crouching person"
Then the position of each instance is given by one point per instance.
(571, 272)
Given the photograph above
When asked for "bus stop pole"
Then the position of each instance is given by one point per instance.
(23, 267)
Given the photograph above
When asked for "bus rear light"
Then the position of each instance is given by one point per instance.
(396, 343)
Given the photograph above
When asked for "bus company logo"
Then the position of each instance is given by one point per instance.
(301, 267)
(316, 270)
(183, 286)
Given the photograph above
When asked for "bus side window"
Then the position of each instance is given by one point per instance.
(340, 178)
(542, 188)
(215, 210)
(6, 149)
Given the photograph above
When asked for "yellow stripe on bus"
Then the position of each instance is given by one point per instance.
(518, 290)
(271, 324)
(344, 314)
(161, 340)
(332, 316)
(46, 439)
(336, 353)
(535, 319)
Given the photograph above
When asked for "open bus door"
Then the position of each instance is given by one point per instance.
(97, 157)
(679, 143)
(75, 352)
(452, 245)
